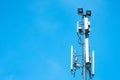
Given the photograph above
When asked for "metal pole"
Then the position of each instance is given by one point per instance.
(85, 47)
(84, 56)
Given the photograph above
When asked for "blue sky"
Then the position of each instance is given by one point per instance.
(35, 38)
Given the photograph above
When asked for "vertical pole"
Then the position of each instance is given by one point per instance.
(86, 29)
(84, 56)
(85, 47)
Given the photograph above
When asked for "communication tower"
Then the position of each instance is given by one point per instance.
(83, 32)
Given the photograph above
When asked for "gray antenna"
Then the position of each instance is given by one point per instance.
(83, 31)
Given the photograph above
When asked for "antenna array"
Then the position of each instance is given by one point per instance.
(83, 31)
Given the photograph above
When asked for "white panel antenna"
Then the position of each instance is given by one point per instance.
(93, 63)
(71, 60)
(79, 27)
(86, 28)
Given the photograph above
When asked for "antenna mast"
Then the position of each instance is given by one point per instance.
(83, 31)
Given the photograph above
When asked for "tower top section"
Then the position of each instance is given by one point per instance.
(81, 12)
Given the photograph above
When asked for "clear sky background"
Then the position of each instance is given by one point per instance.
(35, 38)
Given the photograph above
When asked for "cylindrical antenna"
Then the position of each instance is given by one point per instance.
(71, 61)
(93, 63)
